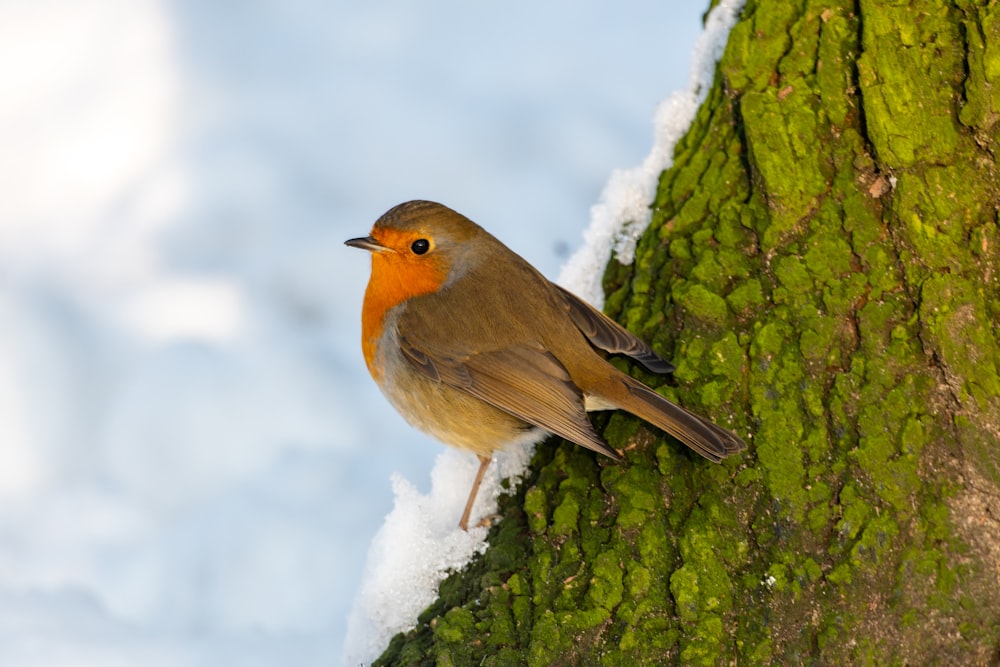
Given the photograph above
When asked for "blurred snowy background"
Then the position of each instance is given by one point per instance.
(193, 459)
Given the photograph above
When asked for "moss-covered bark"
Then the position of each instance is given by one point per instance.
(823, 269)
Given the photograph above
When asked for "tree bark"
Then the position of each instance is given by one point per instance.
(822, 267)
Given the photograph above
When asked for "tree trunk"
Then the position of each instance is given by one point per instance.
(823, 268)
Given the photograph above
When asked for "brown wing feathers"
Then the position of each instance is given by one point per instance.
(608, 335)
(525, 381)
(701, 435)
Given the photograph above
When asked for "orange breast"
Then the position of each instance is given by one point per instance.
(395, 278)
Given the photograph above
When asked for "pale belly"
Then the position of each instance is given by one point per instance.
(450, 415)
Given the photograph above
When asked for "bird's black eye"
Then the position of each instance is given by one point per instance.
(420, 246)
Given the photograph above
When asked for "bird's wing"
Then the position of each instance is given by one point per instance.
(523, 380)
(608, 335)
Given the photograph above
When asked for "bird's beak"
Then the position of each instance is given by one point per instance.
(366, 243)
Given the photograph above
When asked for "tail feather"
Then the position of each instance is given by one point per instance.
(713, 442)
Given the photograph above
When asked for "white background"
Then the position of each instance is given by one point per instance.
(193, 460)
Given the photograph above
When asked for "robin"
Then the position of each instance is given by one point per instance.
(475, 347)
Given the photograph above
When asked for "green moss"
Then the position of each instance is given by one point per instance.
(840, 575)
(635, 489)
(545, 636)
(908, 74)
(606, 584)
(706, 308)
(536, 510)
(566, 516)
(702, 590)
(455, 626)
(818, 344)
(756, 44)
(781, 136)
(793, 277)
(982, 92)
(837, 37)
(818, 518)
(875, 541)
(954, 317)
(702, 645)
(829, 258)
(680, 249)
(854, 512)
(749, 295)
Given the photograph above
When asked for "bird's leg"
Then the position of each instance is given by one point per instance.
(484, 463)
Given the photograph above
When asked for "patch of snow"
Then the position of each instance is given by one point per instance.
(624, 211)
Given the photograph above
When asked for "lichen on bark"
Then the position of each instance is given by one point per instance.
(823, 267)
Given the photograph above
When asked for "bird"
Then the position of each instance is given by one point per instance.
(474, 346)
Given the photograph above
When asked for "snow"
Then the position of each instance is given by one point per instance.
(623, 212)
(193, 461)
(419, 543)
